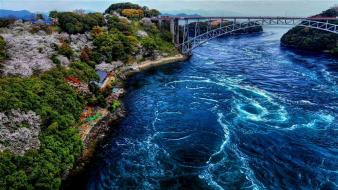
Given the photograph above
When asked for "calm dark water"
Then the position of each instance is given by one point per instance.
(242, 113)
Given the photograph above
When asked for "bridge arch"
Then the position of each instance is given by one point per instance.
(188, 42)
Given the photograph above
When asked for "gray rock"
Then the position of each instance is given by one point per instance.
(146, 22)
(64, 61)
(40, 21)
(18, 22)
(124, 19)
(79, 41)
(142, 34)
(108, 67)
(41, 33)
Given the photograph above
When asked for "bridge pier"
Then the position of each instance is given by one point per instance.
(174, 30)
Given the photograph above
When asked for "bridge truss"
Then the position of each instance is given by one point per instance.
(188, 33)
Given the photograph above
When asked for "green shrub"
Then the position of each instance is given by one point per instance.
(3, 54)
(82, 71)
(86, 54)
(74, 23)
(60, 107)
(5, 22)
(149, 45)
(134, 44)
(115, 105)
(112, 46)
(65, 50)
(114, 23)
(119, 7)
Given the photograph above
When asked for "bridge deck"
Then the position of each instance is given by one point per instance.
(245, 17)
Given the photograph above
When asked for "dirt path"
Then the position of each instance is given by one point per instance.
(86, 127)
(165, 60)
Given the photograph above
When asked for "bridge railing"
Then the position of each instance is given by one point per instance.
(326, 26)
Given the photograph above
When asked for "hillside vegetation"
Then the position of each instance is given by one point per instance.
(55, 97)
(312, 39)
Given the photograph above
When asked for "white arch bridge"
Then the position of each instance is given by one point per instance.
(191, 32)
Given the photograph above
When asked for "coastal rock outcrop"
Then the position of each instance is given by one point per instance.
(108, 67)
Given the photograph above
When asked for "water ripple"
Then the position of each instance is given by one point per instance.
(242, 113)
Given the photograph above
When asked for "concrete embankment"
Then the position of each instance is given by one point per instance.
(145, 65)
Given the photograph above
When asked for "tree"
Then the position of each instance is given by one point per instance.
(333, 12)
(133, 13)
(66, 50)
(96, 31)
(114, 23)
(74, 23)
(59, 106)
(86, 54)
(113, 46)
(39, 16)
(3, 54)
(129, 10)
(149, 45)
(118, 7)
(115, 105)
(152, 13)
(53, 14)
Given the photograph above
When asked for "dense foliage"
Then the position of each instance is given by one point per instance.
(4, 22)
(121, 42)
(112, 46)
(74, 23)
(115, 105)
(130, 10)
(3, 54)
(65, 50)
(133, 13)
(313, 39)
(114, 23)
(60, 107)
(332, 12)
(118, 7)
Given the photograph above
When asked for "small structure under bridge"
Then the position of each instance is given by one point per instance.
(191, 32)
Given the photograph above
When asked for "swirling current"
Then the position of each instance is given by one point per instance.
(242, 113)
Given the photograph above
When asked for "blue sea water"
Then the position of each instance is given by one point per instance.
(242, 113)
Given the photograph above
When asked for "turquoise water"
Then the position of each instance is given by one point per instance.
(242, 113)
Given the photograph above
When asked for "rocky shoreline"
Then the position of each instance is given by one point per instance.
(101, 128)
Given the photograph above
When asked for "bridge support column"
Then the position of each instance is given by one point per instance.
(159, 23)
(174, 30)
